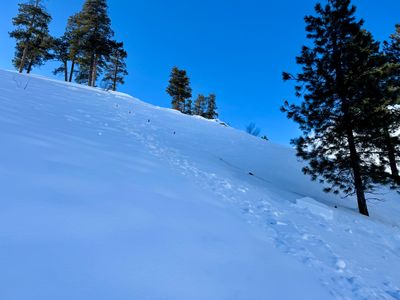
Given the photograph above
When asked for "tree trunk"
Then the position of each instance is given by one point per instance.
(91, 69)
(94, 75)
(391, 153)
(355, 163)
(71, 74)
(30, 67)
(23, 59)
(114, 88)
(356, 168)
(66, 71)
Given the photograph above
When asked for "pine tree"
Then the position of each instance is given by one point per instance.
(179, 89)
(32, 35)
(61, 49)
(95, 34)
(211, 112)
(189, 107)
(68, 48)
(116, 66)
(389, 113)
(252, 129)
(39, 53)
(74, 36)
(392, 47)
(82, 74)
(380, 122)
(380, 118)
(334, 84)
(200, 105)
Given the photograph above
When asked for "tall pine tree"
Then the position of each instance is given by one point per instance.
(32, 35)
(334, 87)
(211, 112)
(380, 116)
(389, 112)
(200, 105)
(95, 33)
(115, 66)
(61, 53)
(179, 89)
(189, 107)
(74, 36)
(68, 48)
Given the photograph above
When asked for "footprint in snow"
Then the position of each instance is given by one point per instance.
(340, 265)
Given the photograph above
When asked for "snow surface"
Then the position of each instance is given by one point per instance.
(103, 196)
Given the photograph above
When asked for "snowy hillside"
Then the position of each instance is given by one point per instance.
(103, 196)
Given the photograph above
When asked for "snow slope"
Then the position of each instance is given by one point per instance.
(103, 196)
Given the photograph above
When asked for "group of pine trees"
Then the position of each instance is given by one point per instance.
(181, 93)
(87, 51)
(350, 109)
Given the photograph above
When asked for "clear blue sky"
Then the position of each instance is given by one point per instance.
(236, 49)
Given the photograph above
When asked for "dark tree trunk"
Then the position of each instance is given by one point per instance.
(91, 69)
(30, 67)
(356, 168)
(71, 74)
(94, 75)
(23, 58)
(355, 163)
(66, 71)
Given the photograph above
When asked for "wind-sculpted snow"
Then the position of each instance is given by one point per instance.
(103, 196)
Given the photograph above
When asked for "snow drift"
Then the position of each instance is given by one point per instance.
(103, 196)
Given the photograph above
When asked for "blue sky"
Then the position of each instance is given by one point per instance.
(236, 49)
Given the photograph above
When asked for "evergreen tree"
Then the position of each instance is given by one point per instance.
(392, 47)
(68, 48)
(74, 36)
(39, 53)
(211, 112)
(82, 74)
(179, 89)
(380, 118)
(334, 83)
(94, 32)
(200, 105)
(388, 114)
(189, 107)
(116, 66)
(32, 35)
(61, 53)
(252, 129)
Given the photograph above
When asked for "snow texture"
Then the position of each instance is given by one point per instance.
(103, 196)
